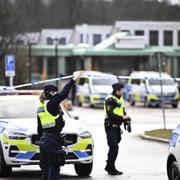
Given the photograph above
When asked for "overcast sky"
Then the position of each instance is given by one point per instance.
(172, 1)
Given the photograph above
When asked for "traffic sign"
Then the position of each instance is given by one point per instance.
(10, 65)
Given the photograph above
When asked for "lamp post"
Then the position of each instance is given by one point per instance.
(30, 61)
(56, 59)
(159, 59)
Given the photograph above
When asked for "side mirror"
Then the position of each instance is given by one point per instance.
(76, 117)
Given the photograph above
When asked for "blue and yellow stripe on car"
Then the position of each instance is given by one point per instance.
(22, 145)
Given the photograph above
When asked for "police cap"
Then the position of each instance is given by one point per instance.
(50, 87)
(117, 86)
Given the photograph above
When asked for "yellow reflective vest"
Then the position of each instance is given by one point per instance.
(47, 119)
(119, 110)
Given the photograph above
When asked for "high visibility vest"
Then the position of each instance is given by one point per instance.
(47, 119)
(117, 110)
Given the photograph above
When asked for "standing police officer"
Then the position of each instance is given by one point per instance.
(115, 115)
(50, 124)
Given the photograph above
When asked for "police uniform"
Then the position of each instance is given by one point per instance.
(114, 112)
(50, 124)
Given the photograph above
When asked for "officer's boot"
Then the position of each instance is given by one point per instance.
(110, 168)
(118, 172)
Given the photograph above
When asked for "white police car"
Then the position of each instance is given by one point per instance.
(93, 88)
(173, 160)
(19, 138)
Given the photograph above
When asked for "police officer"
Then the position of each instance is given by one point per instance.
(50, 124)
(115, 115)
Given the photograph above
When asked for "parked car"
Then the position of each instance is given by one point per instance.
(19, 139)
(145, 87)
(173, 160)
(93, 88)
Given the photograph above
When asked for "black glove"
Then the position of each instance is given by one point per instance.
(127, 125)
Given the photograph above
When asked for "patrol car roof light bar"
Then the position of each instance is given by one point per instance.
(149, 78)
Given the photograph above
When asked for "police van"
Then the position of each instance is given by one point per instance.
(93, 88)
(145, 87)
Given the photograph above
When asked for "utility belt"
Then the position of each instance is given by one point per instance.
(109, 124)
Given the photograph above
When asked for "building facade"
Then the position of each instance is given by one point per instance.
(95, 47)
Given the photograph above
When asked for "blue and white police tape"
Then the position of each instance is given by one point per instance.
(43, 82)
(97, 76)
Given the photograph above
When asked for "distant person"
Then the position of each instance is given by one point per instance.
(115, 116)
(50, 125)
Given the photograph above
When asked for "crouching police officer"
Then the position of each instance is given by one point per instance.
(50, 124)
(115, 115)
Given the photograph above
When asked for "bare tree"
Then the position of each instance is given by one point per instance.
(13, 21)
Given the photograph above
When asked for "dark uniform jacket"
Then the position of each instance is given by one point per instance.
(53, 108)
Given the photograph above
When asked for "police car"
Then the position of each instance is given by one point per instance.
(19, 139)
(173, 160)
(145, 87)
(93, 88)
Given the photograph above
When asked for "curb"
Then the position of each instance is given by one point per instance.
(156, 139)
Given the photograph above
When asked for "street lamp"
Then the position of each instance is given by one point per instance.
(56, 59)
(159, 59)
(30, 61)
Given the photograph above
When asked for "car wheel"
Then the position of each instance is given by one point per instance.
(146, 103)
(174, 171)
(131, 101)
(5, 170)
(83, 169)
(77, 101)
(175, 105)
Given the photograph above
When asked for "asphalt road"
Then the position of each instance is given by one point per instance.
(138, 159)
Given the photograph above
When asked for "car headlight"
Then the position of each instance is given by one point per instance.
(85, 135)
(15, 135)
(173, 139)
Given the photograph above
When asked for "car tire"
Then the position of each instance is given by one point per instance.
(5, 170)
(146, 103)
(175, 105)
(131, 101)
(77, 101)
(174, 173)
(83, 169)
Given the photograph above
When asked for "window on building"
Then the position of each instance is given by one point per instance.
(178, 38)
(153, 38)
(87, 38)
(168, 38)
(49, 41)
(62, 41)
(125, 30)
(139, 33)
(96, 39)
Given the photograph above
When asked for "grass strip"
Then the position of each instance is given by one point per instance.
(159, 133)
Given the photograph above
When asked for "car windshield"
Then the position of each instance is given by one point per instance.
(18, 109)
(103, 81)
(156, 82)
